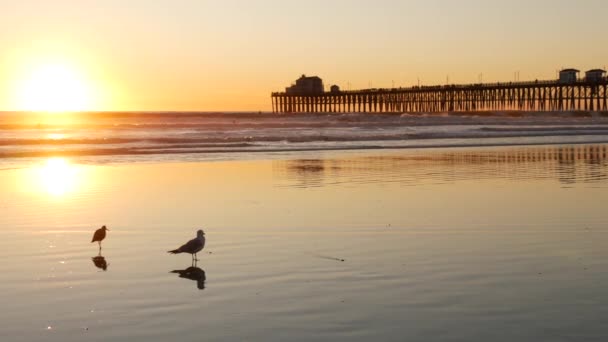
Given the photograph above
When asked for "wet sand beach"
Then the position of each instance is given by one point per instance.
(458, 244)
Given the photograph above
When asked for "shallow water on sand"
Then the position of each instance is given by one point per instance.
(473, 244)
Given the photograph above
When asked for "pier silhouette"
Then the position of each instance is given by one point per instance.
(554, 95)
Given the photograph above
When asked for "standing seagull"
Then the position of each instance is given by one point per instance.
(99, 235)
(193, 246)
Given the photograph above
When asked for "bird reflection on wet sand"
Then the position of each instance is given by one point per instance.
(100, 262)
(193, 273)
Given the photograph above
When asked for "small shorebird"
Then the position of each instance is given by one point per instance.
(99, 235)
(193, 246)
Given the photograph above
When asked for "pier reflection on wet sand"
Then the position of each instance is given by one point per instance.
(567, 164)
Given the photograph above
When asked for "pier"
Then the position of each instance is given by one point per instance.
(576, 94)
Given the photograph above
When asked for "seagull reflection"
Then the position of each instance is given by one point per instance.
(100, 262)
(193, 273)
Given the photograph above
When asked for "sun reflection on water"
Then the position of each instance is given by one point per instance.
(57, 176)
(56, 136)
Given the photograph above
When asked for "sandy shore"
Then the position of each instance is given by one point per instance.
(496, 244)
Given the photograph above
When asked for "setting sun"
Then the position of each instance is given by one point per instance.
(54, 87)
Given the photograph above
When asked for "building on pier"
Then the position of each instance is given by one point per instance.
(334, 89)
(306, 85)
(595, 75)
(569, 75)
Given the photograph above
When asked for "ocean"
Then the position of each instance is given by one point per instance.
(174, 136)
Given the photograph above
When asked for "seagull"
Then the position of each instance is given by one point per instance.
(193, 246)
(99, 235)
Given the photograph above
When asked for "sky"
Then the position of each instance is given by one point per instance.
(230, 55)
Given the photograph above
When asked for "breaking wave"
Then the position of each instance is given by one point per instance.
(150, 134)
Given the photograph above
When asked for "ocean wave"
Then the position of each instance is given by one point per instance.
(234, 139)
(577, 128)
(261, 148)
(141, 134)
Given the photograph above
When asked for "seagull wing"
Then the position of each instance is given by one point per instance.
(192, 246)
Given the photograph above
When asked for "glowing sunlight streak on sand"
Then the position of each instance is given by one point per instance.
(58, 177)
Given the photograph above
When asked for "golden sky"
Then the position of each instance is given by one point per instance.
(229, 55)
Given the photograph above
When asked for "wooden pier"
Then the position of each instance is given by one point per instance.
(555, 95)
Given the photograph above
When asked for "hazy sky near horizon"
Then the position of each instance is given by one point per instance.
(230, 54)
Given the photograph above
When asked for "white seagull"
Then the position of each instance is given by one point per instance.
(193, 246)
